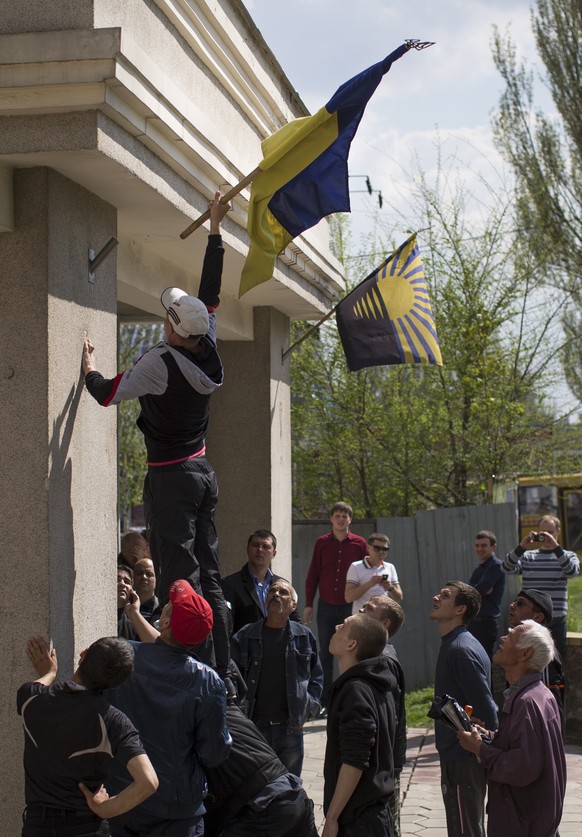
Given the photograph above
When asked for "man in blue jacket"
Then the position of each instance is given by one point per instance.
(489, 580)
(463, 671)
(178, 706)
(280, 665)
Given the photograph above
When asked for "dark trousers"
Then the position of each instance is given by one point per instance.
(485, 630)
(328, 616)
(179, 504)
(287, 742)
(463, 787)
(394, 803)
(558, 630)
(134, 824)
(374, 821)
(39, 821)
(289, 815)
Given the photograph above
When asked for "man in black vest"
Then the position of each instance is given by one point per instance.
(174, 382)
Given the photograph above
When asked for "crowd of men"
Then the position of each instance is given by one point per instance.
(157, 745)
(181, 754)
(191, 721)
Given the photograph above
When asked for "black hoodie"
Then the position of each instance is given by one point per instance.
(361, 728)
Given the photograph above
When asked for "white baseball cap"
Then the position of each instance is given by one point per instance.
(188, 314)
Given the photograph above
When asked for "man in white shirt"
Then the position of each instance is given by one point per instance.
(372, 576)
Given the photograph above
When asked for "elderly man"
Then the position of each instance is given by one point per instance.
(70, 736)
(463, 671)
(525, 763)
(178, 706)
(544, 565)
(174, 382)
(536, 605)
(279, 662)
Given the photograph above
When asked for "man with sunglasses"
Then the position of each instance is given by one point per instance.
(373, 575)
(537, 605)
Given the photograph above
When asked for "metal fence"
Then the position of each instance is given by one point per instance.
(427, 550)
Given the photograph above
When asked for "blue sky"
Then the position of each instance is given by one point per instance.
(450, 89)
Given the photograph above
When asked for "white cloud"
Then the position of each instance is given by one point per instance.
(447, 92)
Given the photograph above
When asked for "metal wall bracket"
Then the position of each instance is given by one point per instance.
(96, 259)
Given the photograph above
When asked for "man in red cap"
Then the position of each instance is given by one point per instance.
(174, 382)
(178, 705)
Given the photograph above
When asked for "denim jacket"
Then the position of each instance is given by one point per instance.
(302, 667)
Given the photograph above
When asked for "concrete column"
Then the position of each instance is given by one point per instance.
(58, 504)
(249, 443)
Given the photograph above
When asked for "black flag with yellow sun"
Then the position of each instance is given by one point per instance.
(387, 318)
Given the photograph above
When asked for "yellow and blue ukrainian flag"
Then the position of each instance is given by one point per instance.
(388, 318)
(304, 172)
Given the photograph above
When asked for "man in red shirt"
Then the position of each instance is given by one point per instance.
(332, 556)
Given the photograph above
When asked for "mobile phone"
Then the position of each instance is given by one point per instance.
(384, 578)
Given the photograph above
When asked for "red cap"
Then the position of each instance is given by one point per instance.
(191, 619)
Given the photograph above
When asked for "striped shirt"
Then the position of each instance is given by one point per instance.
(546, 571)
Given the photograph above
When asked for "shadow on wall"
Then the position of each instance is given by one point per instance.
(61, 532)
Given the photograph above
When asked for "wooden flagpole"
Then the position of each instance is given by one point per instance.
(411, 43)
(308, 333)
(224, 199)
(315, 327)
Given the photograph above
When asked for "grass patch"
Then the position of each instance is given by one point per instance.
(417, 705)
(575, 604)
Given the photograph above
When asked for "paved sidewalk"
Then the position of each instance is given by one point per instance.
(422, 807)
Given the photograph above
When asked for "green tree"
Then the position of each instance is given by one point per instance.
(396, 439)
(545, 153)
(134, 340)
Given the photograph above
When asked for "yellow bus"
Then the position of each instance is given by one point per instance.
(560, 495)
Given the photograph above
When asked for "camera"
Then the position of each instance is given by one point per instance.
(384, 577)
(447, 710)
(540, 536)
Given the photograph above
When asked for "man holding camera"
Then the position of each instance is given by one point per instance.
(372, 576)
(547, 568)
(525, 762)
(463, 671)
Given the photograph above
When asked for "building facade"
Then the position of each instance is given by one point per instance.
(119, 120)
